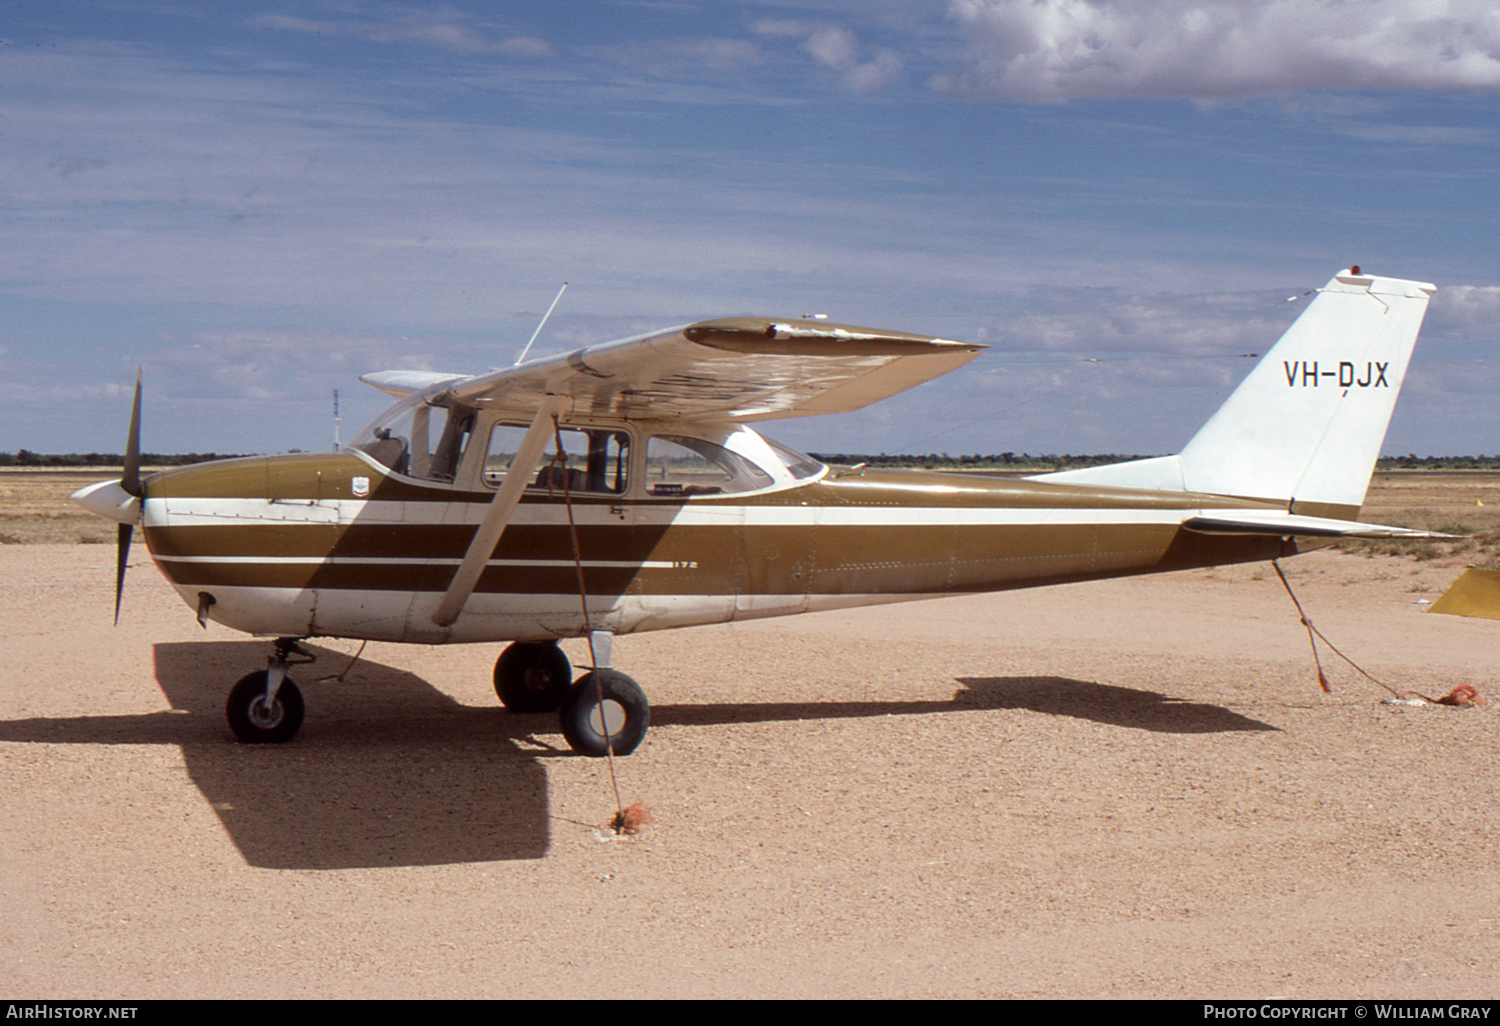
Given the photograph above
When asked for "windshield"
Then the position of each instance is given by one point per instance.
(419, 437)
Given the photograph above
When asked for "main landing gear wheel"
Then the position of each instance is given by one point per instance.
(532, 676)
(255, 722)
(619, 702)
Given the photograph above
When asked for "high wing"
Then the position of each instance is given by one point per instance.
(734, 368)
(403, 383)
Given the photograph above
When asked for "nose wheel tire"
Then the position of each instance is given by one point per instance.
(532, 677)
(618, 706)
(254, 721)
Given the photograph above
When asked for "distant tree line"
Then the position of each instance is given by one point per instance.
(27, 458)
(977, 461)
(1415, 462)
(929, 461)
(1069, 461)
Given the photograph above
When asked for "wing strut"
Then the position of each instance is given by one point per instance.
(487, 535)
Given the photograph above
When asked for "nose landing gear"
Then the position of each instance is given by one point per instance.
(266, 707)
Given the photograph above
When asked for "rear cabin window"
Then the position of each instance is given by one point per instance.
(800, 465)
(680, 466)
(593, 461)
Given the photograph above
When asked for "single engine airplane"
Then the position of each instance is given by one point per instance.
(621, 488)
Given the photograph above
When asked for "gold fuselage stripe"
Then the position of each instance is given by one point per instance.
(898, 533)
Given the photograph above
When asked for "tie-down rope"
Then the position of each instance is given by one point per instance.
(1462, 695)
(558, 468)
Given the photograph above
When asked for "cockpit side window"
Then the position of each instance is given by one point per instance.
(442, 462)
(595, 460)
(677, 465)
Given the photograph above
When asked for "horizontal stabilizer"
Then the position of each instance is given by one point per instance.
(1290, 525)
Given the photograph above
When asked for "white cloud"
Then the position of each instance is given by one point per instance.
(1051, 50)
(1464, 311)
(1108, 322)
(688, 54)
(783, 28)
(840, 50)
(444, 35)
(836, 47)
(873, 76)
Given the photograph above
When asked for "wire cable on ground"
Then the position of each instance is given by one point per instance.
(1462, 695)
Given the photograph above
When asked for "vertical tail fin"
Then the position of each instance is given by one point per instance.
(1306, 425)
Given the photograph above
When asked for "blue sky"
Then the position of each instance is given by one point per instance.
(259, 201)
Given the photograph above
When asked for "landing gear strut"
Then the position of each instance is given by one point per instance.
(267, 707)
(605, 712)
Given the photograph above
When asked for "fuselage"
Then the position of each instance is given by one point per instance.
(343, 545)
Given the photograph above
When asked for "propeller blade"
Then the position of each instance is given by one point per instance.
(122, 556)
(130, 483)
(130, 480)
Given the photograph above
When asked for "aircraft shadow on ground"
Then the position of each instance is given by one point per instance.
(1055, 696)
(1108, 704)
(389, 771)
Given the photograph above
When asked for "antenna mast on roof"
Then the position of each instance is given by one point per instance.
(538, 330)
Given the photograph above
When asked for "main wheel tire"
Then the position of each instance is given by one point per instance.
(620, 702)
(255, 724)
(532, 677)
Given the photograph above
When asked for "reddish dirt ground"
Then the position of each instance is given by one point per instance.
(1125, 789)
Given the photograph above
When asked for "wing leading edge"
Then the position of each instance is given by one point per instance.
(734, 368)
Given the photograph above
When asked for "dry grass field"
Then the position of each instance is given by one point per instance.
(1464, 502)
(34, 507)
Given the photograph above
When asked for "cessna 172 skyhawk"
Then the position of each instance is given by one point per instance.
(619, 488)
